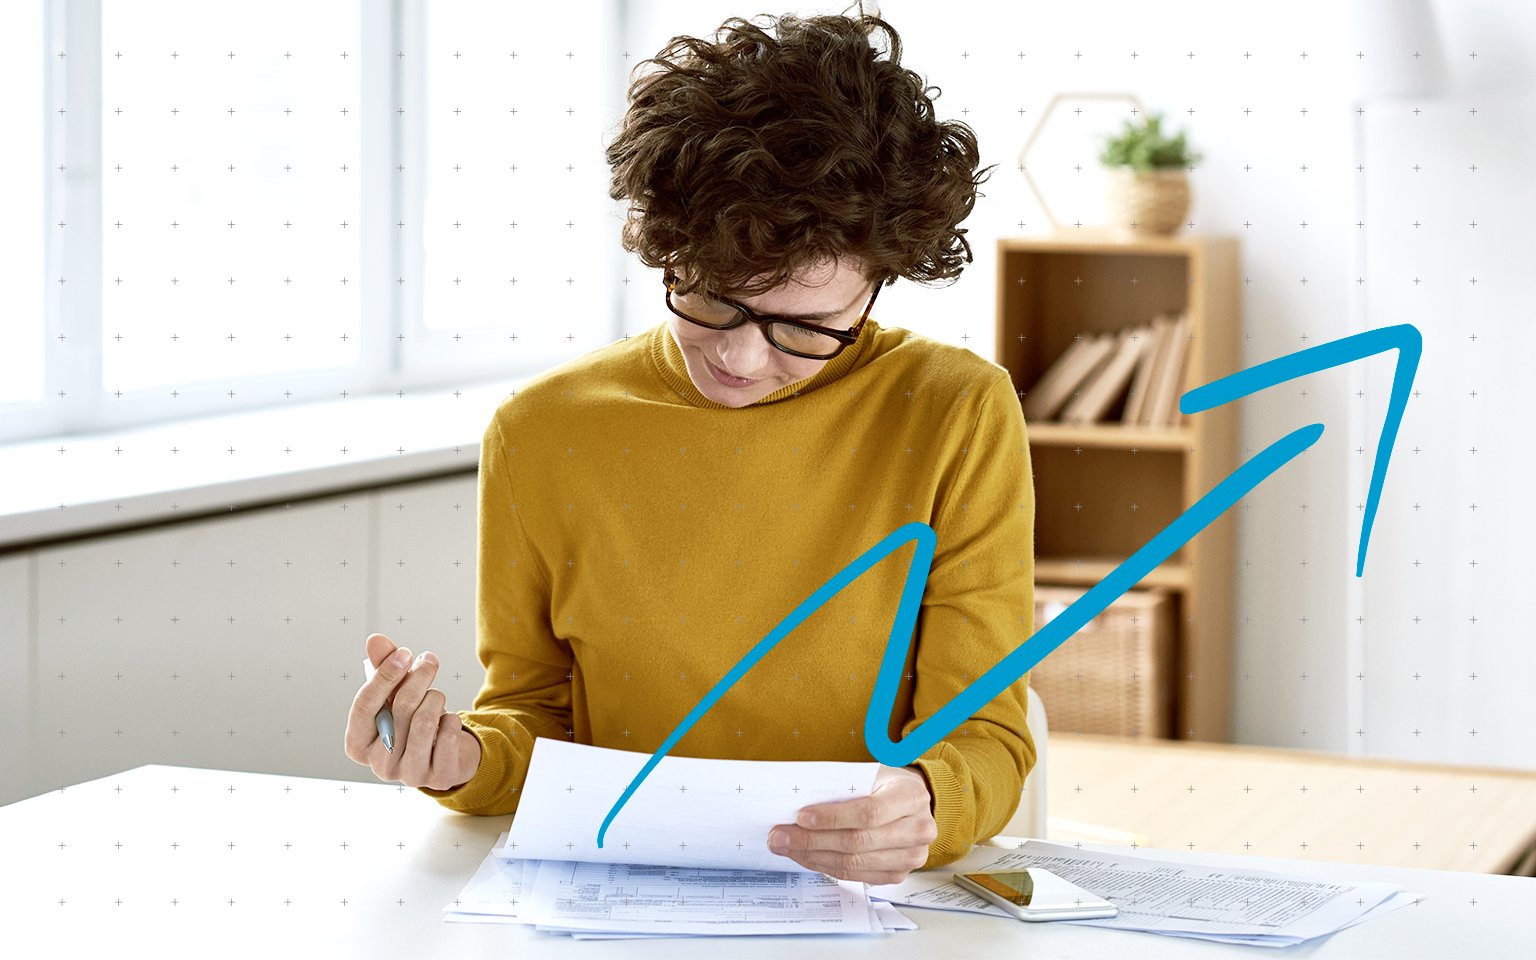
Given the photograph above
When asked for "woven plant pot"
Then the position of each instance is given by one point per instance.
(1143, 202)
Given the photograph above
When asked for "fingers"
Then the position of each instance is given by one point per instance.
(378, 646)
(442, 755)
(868, 866)
(877, 839)
(898, 792)
(415, 766)
(407, 698)
(912, 831)
(429, 741)
(361, 733)
(880, 867)
(418, 679)
(452, 765)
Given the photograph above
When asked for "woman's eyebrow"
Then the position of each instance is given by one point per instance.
(822, 315)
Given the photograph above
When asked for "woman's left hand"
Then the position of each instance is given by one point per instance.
(877, 839)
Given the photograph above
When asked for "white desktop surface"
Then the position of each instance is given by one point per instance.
(180, 861)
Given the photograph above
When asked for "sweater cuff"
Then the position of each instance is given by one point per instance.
(949, 809)
(488, 783)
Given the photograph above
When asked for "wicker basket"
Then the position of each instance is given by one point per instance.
(1115, 675)
(1146, 202)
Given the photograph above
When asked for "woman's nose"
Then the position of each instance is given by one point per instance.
(745, 351)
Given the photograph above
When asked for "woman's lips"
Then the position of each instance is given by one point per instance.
(724, 378)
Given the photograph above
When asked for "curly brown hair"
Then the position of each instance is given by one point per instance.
(756, 156)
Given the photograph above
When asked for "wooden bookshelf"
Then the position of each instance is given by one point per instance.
(1103, 490)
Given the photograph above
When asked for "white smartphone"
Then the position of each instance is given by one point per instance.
(1034, 893)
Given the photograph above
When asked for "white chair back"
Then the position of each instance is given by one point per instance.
(1029, 820)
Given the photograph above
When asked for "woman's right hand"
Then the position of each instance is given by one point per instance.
(432, 748)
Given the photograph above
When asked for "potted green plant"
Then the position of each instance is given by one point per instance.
(1147, 191)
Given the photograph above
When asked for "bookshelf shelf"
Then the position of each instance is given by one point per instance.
(1104, 489)
(1110, 435)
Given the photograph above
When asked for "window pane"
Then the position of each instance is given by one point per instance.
(230, 190)
(517, 227)
(22, 184)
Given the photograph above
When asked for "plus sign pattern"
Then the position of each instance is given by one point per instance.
(254, 178)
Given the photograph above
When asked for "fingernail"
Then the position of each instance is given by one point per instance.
(777, 841)
(400, 657)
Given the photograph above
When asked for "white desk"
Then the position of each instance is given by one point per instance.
(182, 862)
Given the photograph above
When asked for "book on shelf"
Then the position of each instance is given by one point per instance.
(1046, 387)
(1164, 411)
(1077, 363)
(1136, 400)
(1110, 383)
(1156, 361)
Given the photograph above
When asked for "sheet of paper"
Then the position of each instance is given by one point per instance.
(891, 918)
(496, 887)
(494, 895)
(570, 895)
(689, 812)
(1166, 897)
(879, 916)
(453, 917)
(1397, 900)
(883, 915)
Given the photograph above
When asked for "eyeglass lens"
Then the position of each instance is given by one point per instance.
(710, 312)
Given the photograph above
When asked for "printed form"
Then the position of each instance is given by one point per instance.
(624, 897)
(1226, 904)
(607, 901)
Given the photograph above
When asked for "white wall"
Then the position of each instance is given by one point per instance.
(1428, 608)
(1298, 532)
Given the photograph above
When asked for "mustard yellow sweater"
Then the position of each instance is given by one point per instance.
(637, 538)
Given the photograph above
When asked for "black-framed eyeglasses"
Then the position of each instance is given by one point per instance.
(800, 338)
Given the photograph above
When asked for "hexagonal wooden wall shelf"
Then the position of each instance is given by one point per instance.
(1045, 118)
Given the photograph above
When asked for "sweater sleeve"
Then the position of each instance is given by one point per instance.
(527, 688)
(977, 607)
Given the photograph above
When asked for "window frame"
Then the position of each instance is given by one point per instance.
(397, 351)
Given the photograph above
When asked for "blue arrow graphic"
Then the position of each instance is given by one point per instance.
(1404, 338)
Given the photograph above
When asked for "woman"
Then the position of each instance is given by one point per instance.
(650, 510)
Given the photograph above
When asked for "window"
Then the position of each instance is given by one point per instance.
(23, 171)
(230, 192)
(248, 205)
(518, 248)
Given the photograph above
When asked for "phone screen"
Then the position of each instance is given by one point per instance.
(1017, 887)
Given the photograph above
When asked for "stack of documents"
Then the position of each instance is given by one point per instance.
(686, 855)
(609, 900)
(1179, 899)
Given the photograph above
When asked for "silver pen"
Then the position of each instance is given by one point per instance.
(384, 720)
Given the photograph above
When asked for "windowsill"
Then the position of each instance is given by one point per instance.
(130, 477)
